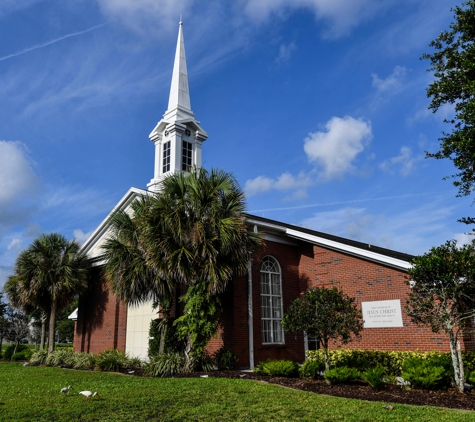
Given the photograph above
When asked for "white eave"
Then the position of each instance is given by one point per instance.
(102, 229)
(337, 246)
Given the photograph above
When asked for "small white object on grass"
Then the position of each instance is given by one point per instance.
(204, 376)
(388, 407)
(65, 389)
(88, 394)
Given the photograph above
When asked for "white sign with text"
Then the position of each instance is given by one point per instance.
(382, 313)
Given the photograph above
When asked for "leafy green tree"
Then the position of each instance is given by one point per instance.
(32, 301)
(453, 65)
(52, 267)
(3, 320)
(18, 327)
(328, 314)
(443, 295)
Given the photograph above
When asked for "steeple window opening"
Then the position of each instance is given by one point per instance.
(166, 156)
(271, 301)
(187, 154)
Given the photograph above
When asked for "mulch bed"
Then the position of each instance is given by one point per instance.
(450, 398)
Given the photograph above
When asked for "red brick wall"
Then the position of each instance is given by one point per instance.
(102, 319)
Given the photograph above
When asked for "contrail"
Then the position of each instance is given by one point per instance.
(329, 204)
(26, 50)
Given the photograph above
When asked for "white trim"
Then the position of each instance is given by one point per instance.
(352, 250)
(101, 230)
(250, 315)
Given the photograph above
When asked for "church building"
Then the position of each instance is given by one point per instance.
(293, 260)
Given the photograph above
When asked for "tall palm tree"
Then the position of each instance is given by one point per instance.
(197, 230)
(130, 277)
(196, 234)
(53, 267)
(22, 296)
(193, 231)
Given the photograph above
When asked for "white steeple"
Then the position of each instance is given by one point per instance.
(178, 136)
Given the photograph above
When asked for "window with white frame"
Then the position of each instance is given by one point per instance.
(166, 156)
(187, 153)
(271, 301)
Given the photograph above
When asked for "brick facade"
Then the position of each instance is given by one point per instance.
(102, 319)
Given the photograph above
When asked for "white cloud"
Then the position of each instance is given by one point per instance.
(284, 182)
(445, 111)
(337, 147)
(341, 16)
(391, 84)
(285, 52)
(17, 177)
(464, 238)
(80, 236)
(405, 161)
(14, 244)
(145, 15)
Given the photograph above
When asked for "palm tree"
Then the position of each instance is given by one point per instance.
(52, 267)
(196, 234)
(192, 232)
(130, 277)
(22, 296)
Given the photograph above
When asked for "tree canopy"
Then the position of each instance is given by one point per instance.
(443, 294)
(453, 65)
(51, 269)
(325, 313)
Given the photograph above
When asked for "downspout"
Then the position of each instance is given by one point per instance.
(249, 309)
(251, 319)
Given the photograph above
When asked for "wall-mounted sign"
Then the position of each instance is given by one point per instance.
(382, 313)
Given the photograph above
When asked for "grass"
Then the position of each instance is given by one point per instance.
(32, 394)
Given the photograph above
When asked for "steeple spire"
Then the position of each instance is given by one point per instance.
(178, 137)
(179, 92)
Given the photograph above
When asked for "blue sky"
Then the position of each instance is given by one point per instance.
(318, 107)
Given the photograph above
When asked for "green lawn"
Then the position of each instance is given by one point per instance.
(32, 394)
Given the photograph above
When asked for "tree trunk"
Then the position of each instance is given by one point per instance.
(52, 321)
(325, 354)
(457, 362)
(163, 335)
(43, 330)
(188, 358)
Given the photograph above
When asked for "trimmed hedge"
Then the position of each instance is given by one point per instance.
(391, 360)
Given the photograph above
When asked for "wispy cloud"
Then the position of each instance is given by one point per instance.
(285, 52)
(340, 16)
(405, 162)
(338, 203)
(392, 83)
(36, 47)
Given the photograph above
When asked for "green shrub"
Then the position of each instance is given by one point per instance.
(342, 375)
(259, 368)
(172, 342)
(39, 357)
(23, 355)
(471, 377)
(7, 355)
(134, 363)
(111, 360)
(374, 377)
(203, 361)
(61, 357)
(225, 359)
(311, 369)
(165, 365)
(83, 360)
(281, 368)
(422, 373)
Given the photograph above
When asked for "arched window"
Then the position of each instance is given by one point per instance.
(271, 301)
